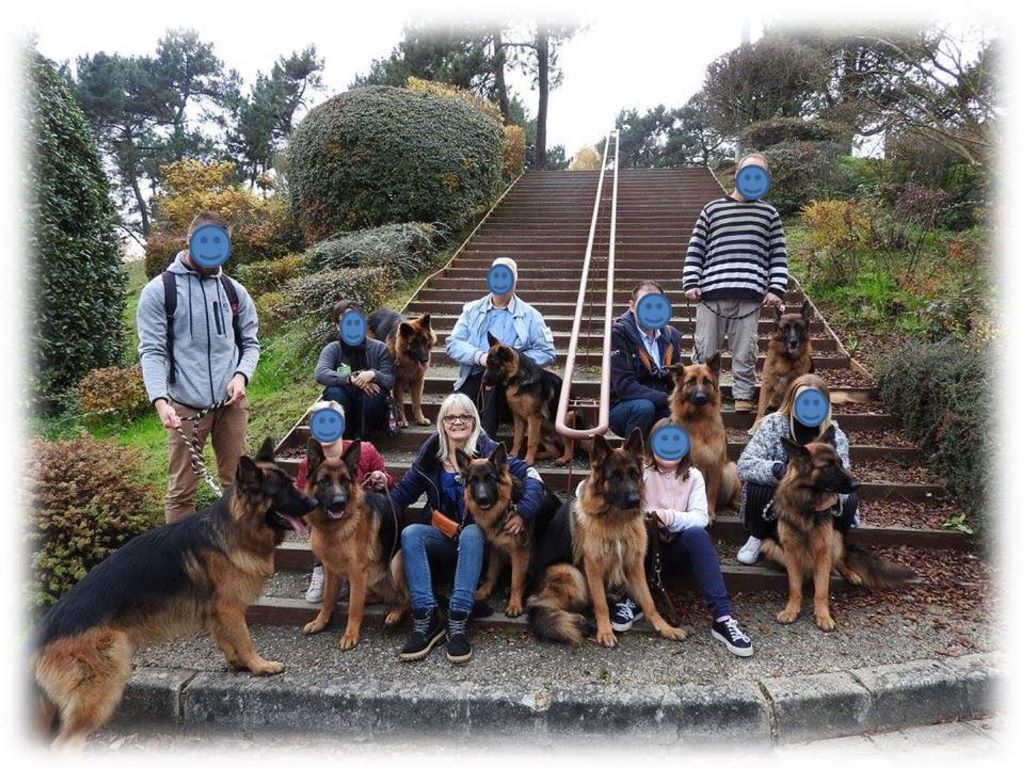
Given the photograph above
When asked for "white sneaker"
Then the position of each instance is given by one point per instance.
(315, 593)
(750, 551)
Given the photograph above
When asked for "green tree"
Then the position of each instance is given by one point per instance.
(77, 276)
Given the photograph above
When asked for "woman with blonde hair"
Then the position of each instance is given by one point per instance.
(446, 535)
(804, 416)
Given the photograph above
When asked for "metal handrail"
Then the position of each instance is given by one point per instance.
(570, 360)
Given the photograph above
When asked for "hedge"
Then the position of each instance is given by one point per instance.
(261, 277)
(404, 248)
(766, 133)
(78, 279)
(382, 155)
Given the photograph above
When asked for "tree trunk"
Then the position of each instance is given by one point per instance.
(540, 154)
(499, 74)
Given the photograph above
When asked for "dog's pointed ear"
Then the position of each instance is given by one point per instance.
(462, 460)
(600, 451)
(499, 456)
(676, 369)
(635, 444)
(405, 330)
(314, 455)
(351, 457)
(248, 475)
(425, 320)
(829, 436)
(266, 451)
(715, 363)
(794, 450)
(806, 311)
(491, 341)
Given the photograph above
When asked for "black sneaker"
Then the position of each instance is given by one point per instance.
(729, 633)
(625, 613)
(427, 632)
(459, 649)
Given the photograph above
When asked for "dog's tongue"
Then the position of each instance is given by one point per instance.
(424, 366)
(296, 524)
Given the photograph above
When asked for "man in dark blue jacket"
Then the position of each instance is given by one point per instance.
(640, 358)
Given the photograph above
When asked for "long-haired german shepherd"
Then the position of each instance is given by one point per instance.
(532, 394)
(200, 573)
(695, 403)
(808, 545)
(491, 493)
(788, 356)
(409, 344)
(608, 543)
(356, 535)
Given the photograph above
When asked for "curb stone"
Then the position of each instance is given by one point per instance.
(765, 711)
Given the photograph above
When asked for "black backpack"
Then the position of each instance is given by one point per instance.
(171, 304)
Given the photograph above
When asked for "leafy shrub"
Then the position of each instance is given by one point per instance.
(261, 227)
(382, 155)
(449, 91)
(85, 503)
(968, 188)
(78, 279)
(405, 249)
(586, 159)
(314, 296)
(801, 172)
(766, 133)
(268, 310)
(264, 276)
(113, 391)
(836, 231)
(513, 153)
(943, 393)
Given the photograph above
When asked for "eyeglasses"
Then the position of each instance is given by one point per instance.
(455, 418)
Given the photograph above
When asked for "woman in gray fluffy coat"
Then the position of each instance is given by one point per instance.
(763, 463)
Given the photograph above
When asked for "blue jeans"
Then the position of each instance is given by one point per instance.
(692, 546)
(362, 412)
(627, 415)
(422, 544)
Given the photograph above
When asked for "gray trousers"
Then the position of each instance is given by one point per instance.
(711, 330)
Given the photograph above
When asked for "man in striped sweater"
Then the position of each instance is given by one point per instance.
(735, 264)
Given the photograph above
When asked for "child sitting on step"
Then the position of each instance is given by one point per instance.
(674, 495)
(372, 474)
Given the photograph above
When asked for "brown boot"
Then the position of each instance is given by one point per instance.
(742, 406)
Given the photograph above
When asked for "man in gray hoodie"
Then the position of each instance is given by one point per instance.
(209, 365)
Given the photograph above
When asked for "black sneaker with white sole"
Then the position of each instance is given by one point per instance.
(427, 631)
(624, 614)
(729, 633)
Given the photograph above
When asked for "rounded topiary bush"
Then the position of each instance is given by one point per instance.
(382, 155)
(77, 275)
(113, 391)
(86, 502)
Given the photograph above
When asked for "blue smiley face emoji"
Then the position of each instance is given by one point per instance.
(670, 443)
(327, 425)
(352, 328)
(209, 246)
(810, 407)
(653, 311)
(500, 279)
(752, 182)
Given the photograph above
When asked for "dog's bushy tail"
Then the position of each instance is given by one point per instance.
(874, 571)
(562, 588)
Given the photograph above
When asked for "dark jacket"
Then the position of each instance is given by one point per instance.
(630, 377)
(424, 476)
(377, 359)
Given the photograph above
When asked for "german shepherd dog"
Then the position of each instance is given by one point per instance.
(491, 492)
(608, 542)
(695, 402)
(356, 536)
(808, 546)
(532, 394)
(788, 356)
(200, 573)
(409, 344)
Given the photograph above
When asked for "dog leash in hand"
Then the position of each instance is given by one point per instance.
(712, 310)
(196, 455)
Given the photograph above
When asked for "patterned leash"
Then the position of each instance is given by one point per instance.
(713, 311)
(196, 455)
